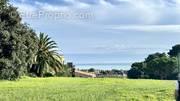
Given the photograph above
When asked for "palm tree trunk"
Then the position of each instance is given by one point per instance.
(40, 74)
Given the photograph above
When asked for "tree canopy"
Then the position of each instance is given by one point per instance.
(18, 43)
(155, 66)
(175, 50)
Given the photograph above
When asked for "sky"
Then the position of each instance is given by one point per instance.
(105, 31)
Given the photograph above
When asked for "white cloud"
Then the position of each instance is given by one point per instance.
(134, 49)
(147, 28)
(23, 7)
(49, 7)
(122, 47)
(123, 12)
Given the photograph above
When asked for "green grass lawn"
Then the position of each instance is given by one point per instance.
(86, 89)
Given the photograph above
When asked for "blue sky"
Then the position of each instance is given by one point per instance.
(129, 29)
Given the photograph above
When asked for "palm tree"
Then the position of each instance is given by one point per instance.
(47, 56)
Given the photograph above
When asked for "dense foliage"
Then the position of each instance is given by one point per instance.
(21, 51)
(155, 66)
(18, 43)
(174, 51)
(137, 70)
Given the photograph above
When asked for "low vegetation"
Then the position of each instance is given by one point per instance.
(86, 89)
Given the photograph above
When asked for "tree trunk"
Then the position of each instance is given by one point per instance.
(40, 74)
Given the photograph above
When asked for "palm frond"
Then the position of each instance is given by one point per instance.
(47, 56)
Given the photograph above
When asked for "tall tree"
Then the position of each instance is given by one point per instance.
(174, 51)
(161, 67)
(155, 66)
(47, 56)
(18, 43)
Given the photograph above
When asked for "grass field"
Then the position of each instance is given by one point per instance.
(86, 89)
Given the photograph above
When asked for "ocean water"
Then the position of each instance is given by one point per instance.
(103, 61)
(104, 66)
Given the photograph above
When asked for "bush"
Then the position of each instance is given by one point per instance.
(48, 74)
(65, 72)
(32, 75)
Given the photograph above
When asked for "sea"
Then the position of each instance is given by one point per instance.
(104, 66)
(102, 61)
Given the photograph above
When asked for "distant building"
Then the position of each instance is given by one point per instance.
(78, 73)
(84, 74)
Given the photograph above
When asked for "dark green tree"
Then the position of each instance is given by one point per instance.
(155, 66)
(154, 56)
(174, 51)
(91, 70)
(18, 43)
(160, 66)
(137, 70)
